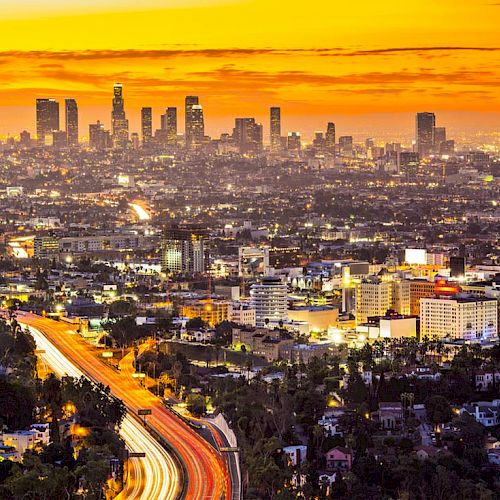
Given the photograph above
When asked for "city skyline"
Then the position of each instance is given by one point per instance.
(367, 65)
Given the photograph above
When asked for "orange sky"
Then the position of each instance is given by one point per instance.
(362, 64)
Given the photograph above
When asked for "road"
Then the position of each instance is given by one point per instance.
(156, 463)
(205, 473)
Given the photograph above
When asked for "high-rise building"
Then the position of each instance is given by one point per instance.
(269, 299)
(119, 122)
(374, 297)
(439, 138)
(169, 125)
(47, 119)
(147, 125)
(409, 163)
(99, 138)
(183, 250)
(195, 125)
(275, 129)
(330, 137)
(247, 134)
(459, 318)
(59, 139)
(25, 139)
(346, 145)
(294, 143)
(71, 116)
(424, 133)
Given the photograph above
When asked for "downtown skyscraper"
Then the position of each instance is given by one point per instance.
(194, 122)
(330, 138)
(119, 122)
(147, 125)
(275, 127)
(424, 133)
(71, 117)
(169, 125)
(47, 119)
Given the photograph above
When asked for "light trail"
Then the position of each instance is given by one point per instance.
(140, 211)
(154, 474)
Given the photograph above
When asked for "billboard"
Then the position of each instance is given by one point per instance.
(416, 256)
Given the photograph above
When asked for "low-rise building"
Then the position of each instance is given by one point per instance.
(486, 413)
(339, 458)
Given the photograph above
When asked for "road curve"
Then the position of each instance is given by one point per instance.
(157, 462)
(207, 477)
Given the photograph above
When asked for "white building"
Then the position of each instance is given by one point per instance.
(253, 261)
(296, 454)
(269, 299)
(459, 318)
(374, 297)
(243, 314)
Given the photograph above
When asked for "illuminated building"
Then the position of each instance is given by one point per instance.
(71, 116)
(293, 142)
(420, 289)
(210, 311)
(134, 140)
(242, 314)
(275, 128)
(247, 135)
(459, 318)
(195, 125)
(345, 145)
(47, 119)
(45, 247)
(253, 261)
(59, 139)
(99, 138)
(269, 299)
(183, 250)
(147, 125)
(409, 162)
(374, 297)
(330, 137)
(424, 133)
(439, 138)
(119, 122)
(169, 125)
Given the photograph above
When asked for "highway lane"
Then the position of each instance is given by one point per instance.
(157, 463)
(207, 477)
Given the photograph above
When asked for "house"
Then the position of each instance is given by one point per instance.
(425, 452)
(486, 380)
(494, 456)
(485, 412)
(390, 415)
(330, 422)
(20, 440)
(296, 454)
(9, 453)
(339, 458)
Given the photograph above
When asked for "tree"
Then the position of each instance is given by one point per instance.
(195, 324)
(438, 410)
(196, 404)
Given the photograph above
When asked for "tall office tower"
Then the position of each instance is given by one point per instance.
(59, 139)
(269, 299)
(409, 163)
(275, 129)
(330, 137)
(293, 142)
(119, 122)
(319, 141)
(47, 119)
(192, 118)
(147, 125)
(247, 134)
(71, 115)
(183, 249)
(98, 137)
(169, 124)
(424, 133)
(439, 138)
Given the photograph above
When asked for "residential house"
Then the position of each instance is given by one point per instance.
(485, 412)
(296, 454)
(339, 458)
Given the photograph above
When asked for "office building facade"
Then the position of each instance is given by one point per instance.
(269, 299)
(47, 119)
(71, 116)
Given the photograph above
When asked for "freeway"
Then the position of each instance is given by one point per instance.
(205, 475)
(156, 463)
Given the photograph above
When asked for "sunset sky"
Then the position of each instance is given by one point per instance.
(362, 64)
